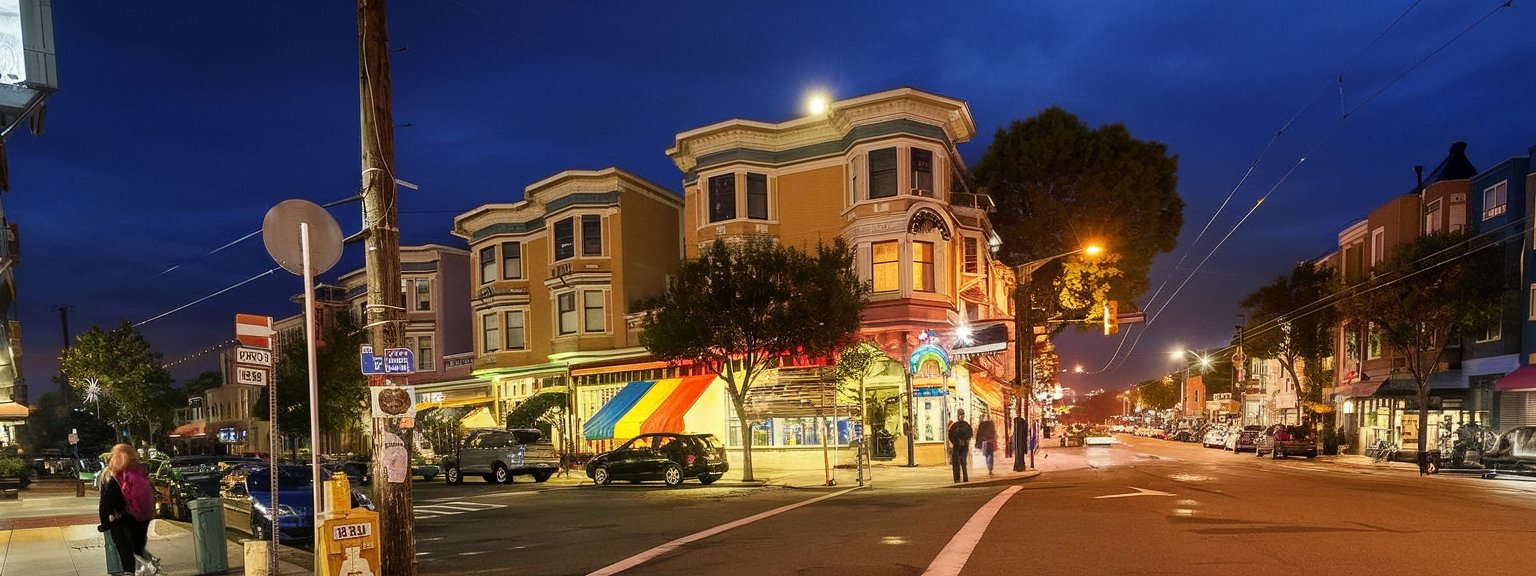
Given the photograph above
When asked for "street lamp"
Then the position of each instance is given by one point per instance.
(1178, 355)
(1024, 351)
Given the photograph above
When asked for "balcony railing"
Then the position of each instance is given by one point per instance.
(969, 200)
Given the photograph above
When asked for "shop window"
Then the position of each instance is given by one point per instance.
(886, 266)
(722, 197)
(487, 264)
(593, 311)
(922, 266)
(490, 333)
(565, 239)
(516, 339)
(922, 172)
(591, 235)
(757, 196)
(511, 260)
(882, 173)
(565, 305)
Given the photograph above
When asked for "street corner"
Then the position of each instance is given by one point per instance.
(1000, 479)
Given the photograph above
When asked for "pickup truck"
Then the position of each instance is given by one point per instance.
(1280, 441)
(499, 454)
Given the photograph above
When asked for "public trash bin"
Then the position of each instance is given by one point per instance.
(885, 446)
(208, 535)
(114, 564)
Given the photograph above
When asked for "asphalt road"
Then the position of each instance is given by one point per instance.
(1147, 507)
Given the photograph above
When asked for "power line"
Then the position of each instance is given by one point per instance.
(200, 300)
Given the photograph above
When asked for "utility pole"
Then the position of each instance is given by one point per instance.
(1023, 359)
(64, 321)
(397, 554)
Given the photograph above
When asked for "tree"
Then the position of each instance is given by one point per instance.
(343, 387)
(1156, 394)
(1060, 185)
(543, 411)
(1288, 321)
(197, 385)
(856, 363)
(135, 388)
(741, 306)
(54, 416)
(1426, 295)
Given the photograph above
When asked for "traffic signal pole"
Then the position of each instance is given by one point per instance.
(392, 495)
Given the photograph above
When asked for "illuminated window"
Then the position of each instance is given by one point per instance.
(515, 333)
(593, 311)
(487, 264)
(490, 333)
(922, 266)
(722, 197)
(511, 260)
(1372, 343)
(886, 273)
(565, 304)
(882, 173)
(972, 255)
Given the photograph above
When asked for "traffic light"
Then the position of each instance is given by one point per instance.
(1111, 317)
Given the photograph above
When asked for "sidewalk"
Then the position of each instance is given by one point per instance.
(896, 476)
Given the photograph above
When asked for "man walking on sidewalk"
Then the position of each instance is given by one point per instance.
(960, 447)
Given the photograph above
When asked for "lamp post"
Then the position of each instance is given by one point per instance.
(1024, 352)
(1204, 362)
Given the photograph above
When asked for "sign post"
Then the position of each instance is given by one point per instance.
(255, 333)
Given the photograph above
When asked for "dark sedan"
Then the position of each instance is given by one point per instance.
(183, 479)
(247, 493)
(668, 457)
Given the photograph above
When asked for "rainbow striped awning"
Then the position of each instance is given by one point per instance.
(646, 407)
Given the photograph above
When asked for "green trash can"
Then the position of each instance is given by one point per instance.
(114, 564)
(208, 535)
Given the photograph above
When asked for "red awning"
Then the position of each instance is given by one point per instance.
(1523, 378)
(668, 416)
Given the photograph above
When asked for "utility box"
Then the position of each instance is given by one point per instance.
(349, 543)
(208, 535)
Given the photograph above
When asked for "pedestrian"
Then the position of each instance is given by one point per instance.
(126, 508)
(960, 447)
(986, 441)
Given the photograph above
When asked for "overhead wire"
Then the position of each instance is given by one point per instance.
(1117, 359)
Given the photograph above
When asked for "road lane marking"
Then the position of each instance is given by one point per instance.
(648, 555)
(435, 510)
(954, 555)
(1138, 492)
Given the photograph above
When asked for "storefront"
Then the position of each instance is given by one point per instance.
(1516, 397)
(1390, 414)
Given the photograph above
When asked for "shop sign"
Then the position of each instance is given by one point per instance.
(928, 391)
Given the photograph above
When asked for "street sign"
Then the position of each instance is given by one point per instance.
(254, 331)
(1131, 317)
(926, 391)
(251, 376)
(253, 356)
(394, 361)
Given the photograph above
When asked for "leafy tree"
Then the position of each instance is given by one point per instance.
(197, 385)
(1289, 321)
(543, 411)
(343, 387)
(1157, 394)
(1060, 185)
(741, 306)
(52, 418)
(135, 386)
(1425, 296)
(441, 428)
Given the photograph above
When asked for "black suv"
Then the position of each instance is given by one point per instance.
(668, 457)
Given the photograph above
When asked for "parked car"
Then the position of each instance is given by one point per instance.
(1244, 440)
(1515, 450)
(668, 457)
(424, 467)
(1215, 438)
(1280, 441)
(182, 479)
(247, 495)
(499, 455)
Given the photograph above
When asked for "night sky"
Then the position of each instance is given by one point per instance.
(178, 124)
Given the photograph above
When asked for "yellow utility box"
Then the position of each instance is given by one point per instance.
(349, 543)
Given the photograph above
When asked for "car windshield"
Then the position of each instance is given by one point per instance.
(288, 478)
(528, 436)
(706, 441)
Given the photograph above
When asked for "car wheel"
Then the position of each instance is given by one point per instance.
(501, 475)
(542, 475)
(1275, 455)
(600, 476)
(451, 475)
(707, 479)
(673, 475)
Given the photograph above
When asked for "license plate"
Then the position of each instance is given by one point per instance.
(348, 531)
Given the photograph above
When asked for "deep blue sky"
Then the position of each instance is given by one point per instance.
(178, 124)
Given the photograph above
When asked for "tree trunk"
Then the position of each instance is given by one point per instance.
(1423, 456)
(746, 443)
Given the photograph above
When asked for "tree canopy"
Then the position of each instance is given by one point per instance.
(1157, 393)
(1060, 185)
(135, 388)
(1289, 321)
(742, 305)
(1426, 295)
(343, 387)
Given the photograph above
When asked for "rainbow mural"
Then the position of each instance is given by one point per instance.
(928, 353)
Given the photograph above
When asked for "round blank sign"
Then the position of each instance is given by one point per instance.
(280, 232)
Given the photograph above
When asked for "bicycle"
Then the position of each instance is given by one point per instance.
(1382, 451)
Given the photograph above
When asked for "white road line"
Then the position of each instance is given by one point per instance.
(647, 555)
(954, 555)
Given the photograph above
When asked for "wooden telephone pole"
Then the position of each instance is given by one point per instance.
(397, 554)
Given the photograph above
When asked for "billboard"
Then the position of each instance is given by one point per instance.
(13, 57)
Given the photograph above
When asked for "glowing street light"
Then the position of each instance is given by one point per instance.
(816, 103)
(1178, 355)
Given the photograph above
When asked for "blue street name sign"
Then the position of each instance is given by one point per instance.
(926, 391)
(394, 361)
